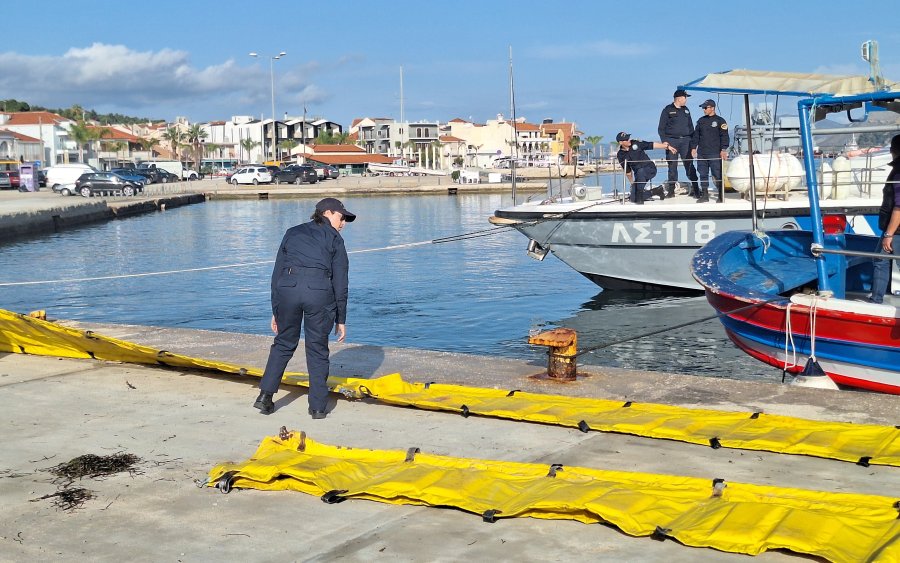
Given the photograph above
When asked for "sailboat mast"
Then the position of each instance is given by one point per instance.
(514, 146)
(402, 124)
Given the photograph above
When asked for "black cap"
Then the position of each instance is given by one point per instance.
(623, 136)
(708, 104)
(332, 204)
(681, 93)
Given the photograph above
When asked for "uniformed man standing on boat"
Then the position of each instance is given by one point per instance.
(676, 127)
(309, 289)
(639, 168)
(710, 143)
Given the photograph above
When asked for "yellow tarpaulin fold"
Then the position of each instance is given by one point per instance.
(861, 443)
(733, 517)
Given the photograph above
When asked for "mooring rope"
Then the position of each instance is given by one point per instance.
(682, 325)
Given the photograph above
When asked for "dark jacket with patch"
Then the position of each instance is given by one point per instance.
(711, 136)
(675, 123)
(634, 156)
(316, 253)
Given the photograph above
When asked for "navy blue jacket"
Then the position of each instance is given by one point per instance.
(711, 136)
(319, 249)
(675, 123)
(635, 156)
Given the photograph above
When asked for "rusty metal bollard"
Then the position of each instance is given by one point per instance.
(563, 349)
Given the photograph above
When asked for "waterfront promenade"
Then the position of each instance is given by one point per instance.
(181, 424)
(45, 211)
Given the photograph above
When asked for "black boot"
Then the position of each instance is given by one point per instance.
(659, 191)
(264, 403)
(316, 414)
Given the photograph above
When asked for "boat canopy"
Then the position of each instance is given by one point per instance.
(742, 81)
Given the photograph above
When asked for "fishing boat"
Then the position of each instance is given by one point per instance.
(795, 299)
(399, 167)
(619, 245)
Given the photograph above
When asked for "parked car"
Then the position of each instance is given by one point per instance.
(150, 175)
(325, 171)
(67, 173)
(106, 183)
(15, 179)
(5, 183)
(64, 189)
(251, 175)
(130, 175)
(273, 169)
(297, 174)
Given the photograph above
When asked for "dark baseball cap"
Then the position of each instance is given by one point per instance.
(708, 104)
(623, 136)
(680, 92)
(332, 204)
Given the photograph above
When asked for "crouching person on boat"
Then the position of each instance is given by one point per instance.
(638, 167)
(889, 223)
(309, 288)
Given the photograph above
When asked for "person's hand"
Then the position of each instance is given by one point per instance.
(723, 155)
(887, 244)
(274, 325)
(672, 149)
(694, 153)
(341, 332)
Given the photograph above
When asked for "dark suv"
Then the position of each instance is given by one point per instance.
(106, 183)
(296, 174)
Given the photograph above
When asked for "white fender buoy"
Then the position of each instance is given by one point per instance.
(825, 178)
(841, 178)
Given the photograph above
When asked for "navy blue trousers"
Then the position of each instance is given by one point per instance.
(313, 309)
(683, 147)
(642, 176)
(707, 165)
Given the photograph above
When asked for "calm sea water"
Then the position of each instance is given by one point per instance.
(480, 295)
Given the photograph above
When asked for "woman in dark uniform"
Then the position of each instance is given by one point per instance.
(309, 288)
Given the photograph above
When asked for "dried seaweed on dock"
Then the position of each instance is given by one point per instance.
(68, 498)
(90, 465)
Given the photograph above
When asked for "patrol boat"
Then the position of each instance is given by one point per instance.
(618, 245)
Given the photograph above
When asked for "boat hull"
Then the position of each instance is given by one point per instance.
(855, 343)
(621, 246)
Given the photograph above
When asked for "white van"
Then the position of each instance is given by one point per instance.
(60, 174)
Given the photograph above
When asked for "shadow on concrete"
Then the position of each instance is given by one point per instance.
(357, 361)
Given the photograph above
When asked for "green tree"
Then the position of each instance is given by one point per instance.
(286, 145)
(249, 144)
(174, 136)
(195, 136)
(148, 143)
(594, 141)
(81, 134)
(574, 144)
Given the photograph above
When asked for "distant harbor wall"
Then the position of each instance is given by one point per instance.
(80, 212)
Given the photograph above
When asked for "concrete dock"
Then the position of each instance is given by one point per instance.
(181, 424)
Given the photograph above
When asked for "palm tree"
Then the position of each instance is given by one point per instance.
(342, 138)
(249, 144)
(574, 144)
(81, 134)
(398, 145)
(174, 136)
(286, 145)
(594, 141)
(436, 153)
(194, 137)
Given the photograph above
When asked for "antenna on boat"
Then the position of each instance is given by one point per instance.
(870, 55)
(514, 147)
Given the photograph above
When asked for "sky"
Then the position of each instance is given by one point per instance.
(608, 66)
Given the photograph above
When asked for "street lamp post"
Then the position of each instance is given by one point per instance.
(272, 60)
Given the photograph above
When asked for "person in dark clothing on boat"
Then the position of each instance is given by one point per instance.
(677, 128)
(710, 141)
(309, 288)
(889, 223)
(639, 168)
